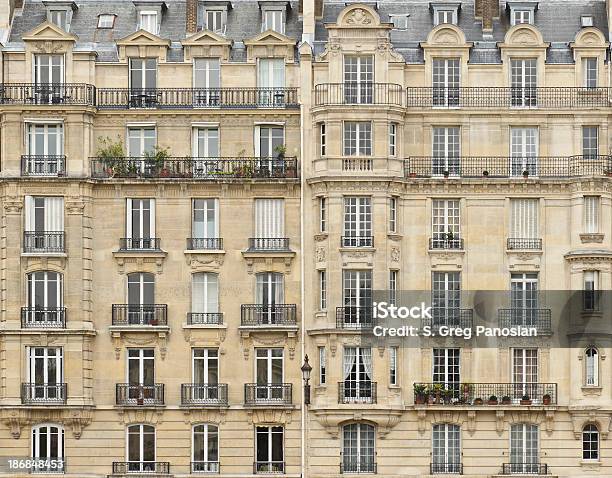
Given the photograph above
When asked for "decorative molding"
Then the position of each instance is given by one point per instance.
(204, 415)
(76, 418)
(595, 238)
(146, 335)
(149, 415)
(268, 336)
(204, 336)
(140, 258)
(266, 261)
(385, 418)
(585, 415)
(395, 254)
(264, 416)
(204, 260)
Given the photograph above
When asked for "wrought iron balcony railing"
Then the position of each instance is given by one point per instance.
(525, 469)
(357, 241)
(354, 317)
(200, 168)
(449, 317)
(352, 93)
(130, 394)
(492, 167)
(445, 243)
(51, 165)
(439, 468)
(506, 394)
(186, 98)
(43, 242)
(204, 243)
(508, 97)
(204, 394)
(43, 317)
(47, 94)
(153, 468)
(354, 465)
(140, 244)
(205, 318)
(357, 392)
(524, 243)
(140, 314)
(268, 244)
(268, 394)
(540, 319)
(205, 467)
(269, 467)
(43, 393)
(255, 315)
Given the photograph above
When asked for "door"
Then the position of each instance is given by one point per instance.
(446, 298)
(270, 298)
(358, 448)
(143, 82)
(141, 448)
(357, 368)
(48, 79)
(45, 298)
(206, 152)
(446, 151)
(525, 374)
(205, 457)
(357, 297)
(269, 374)
(357, 222)
(446, 224)
(141, 298)
(523, 80)
(141, 376)
(46, 373)
(358, 79)
(44, 224)
(205, 374)
(269, 454)
(524, 151)
(446, 449)
(446, 81)
(271, 82)
(140, 227)
(524, 448)
(141, 152)
(206, 81)
(45, 149)
(524, 299)
(447, 369)
(48, 447)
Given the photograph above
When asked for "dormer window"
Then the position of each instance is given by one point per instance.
(445, 13)
(586, 21)
(273, 20)
(521, 16)
(149, 14)
(522, 13)
(106, 20)
(215, 21)
(147, 20)
(59, 18)
(59, 12)
(400, 21)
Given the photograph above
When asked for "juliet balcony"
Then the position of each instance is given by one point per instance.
(357, 241)
(140, 314)
(204, 243)
(127, 394)
(147, 468)
(352, 93)
(449, 317)
(268, 244)
(268, 315)
(43, 317)
(522, 243)
(533, 468)
(43, 242)
(350, 465)
(43, 393)
(39, 165)
(485, 394)
(268, 394)
(354, 317)
(538, 318)
(199, 394)
(351, 391)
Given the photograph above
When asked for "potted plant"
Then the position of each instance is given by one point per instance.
(492, 400)
(154, 322)
(140, 400)
(506, 400)
(525, 400)
(525, 174)
(447, 396)
(546, 399)
(412, 175)
(437, 389)
(420, 393)
(446, 174)
(485, 173)
(466, 391)
(478, 401)
(111, 154)
(280, 151)
(155, 160)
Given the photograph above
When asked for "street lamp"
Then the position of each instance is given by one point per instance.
(306, 369)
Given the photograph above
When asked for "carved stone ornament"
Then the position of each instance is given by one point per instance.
(265, 416)
(76, 418)
(155, 336)
(358, 17)
(426, 418)
(204, 415)
(332, 418)
(152, 416)
(254, 338)
(590, 415)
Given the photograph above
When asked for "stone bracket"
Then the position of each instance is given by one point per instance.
(75, 417)
(128, 336)
(384, 418)
(250, 337)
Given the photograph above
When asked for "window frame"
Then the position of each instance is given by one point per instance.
(589, 431)
(150, 14)
(393, 139)
(102, 16)
(322, 365)
(206, 436)
(322, 276)
(361, 134)
(393, 366)
(591, 354)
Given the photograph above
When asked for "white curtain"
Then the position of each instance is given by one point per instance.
(366, 357)
(271, 73)
(205, 293)
(30, 224)
(54, 214)
(350, 354)
(269, 218)
(524, 218)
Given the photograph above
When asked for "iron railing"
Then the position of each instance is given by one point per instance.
(268, 244)
(183, 98)
(268, 394)
(363, 465)
(43, 393)
(205, 318)
(525, 469)
(47, 94)
(205, 467)
(43, 242)
(540, 319)
(510, 394)
(449, 317)
(139, 244)
(354, 317)
(357, 392)
(445, 243)
(140, 314)
(148, 467)
(129, 394)
(204, 394)
(43, 317)
(439, 468)
(204, 243)
(357, 241)
(190, 167)
(508, 97)
(253, 315)
(524, 243)
(269, 467)
(43, 165)
(353, 93)
(507, 167)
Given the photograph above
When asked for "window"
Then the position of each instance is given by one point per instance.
(205, 223)
(143, 82)
(446, 224)
(393, 214)
(206, 81)
(446, 81)
(45, 298)
(590, 143)
(446, 449)
(358, 79)
(446, 369)
(141, 376)
(322, 139)
(48, 447)
(141, 448)
(106, 20)
(586, 21)
(59, 18)
(591, 367)
(357, 297)
(524, 151)
(271, 81)
(270, 292)
(141, 141)
(523, 76)
(45, 375)
(591, 214)
(322, 214)
(393, 378)
(204, 293)
(205, 147)
(48, 69)
(269, 218)
(446, 149)
(524, 455)
(393, 286)
(445, 16)
(521, 16)
(140, 224)
(357, 222)
(590, 442)
(358, 451)
(590, 291)
(590, 72)
(148, 21)
(392, 139)
(446, 298)
(357, 368)
(44, 148)
(524, 299)
(269, 375)
(400, 21)
(205, 366)
(141, 298)
(215, 21)
(322, 366)
(268, 141)
(524, 221)
(322, 290)
(525, 373)
(44, 224)
(357, 138)
(269, 454)
(205, 455)
(273, 20)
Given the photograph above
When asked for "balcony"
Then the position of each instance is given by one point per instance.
(508, 97)
(205, 318)
(468, 394)
(43, 165)
(354, 317)
(140, 314)
(448, 243)
(268, 244)
(43, 317)
(446, 468)
(151, 468)
(47, 94)
(525, 469)
(197, 168)
(500, 167)
(366, 93)
(357, 241)
(351, 465)
(264, 315)
(449, 317)
(268, 394)
(268, 467)
(189, 98)
(204, 244)
(205, 467)
(43, 242)
(356, 392)
(214, 395)
(140, 244)
(540, 319)
(517, 243)
(144, 395)
(43, 393)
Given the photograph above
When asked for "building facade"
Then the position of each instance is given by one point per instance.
(198, 193)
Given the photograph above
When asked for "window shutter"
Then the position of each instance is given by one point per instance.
(591, 214)
(54, 214)
(524, 218)
(128, 218)
(269, 218)
(212, 293)
(152, 217)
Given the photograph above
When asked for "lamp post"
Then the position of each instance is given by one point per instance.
(306, 369)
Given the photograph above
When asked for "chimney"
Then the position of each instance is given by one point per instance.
(191, 16)
(486, 10)
(308, 20)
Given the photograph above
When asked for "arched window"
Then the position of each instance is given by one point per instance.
(590, 442)
(524, 449)
(205, 449)
(591, 362)
(48, 446)
(358, 448)
(141, 448)
(446, 448)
